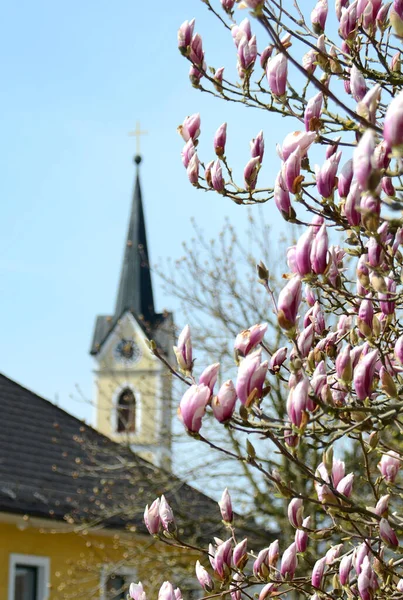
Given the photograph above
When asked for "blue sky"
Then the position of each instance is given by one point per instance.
(75, 78)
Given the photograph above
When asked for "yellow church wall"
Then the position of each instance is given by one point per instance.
(144, 385)
(77, 561)
(148, 379)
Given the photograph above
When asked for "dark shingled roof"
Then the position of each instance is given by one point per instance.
(161, 330)
(135, 291)
(54, 466)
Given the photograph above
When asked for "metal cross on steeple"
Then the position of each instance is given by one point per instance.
(137, 133)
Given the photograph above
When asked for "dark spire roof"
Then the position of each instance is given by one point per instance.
(135, 292)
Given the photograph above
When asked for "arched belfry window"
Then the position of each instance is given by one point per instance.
(126, 412)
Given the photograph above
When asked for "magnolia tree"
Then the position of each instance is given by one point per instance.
(337, 73)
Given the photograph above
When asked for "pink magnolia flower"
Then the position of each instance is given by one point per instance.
(291, 171)
(240, 31)
(196, 53)
(251, 172)
(301, 536)
(222, 558)
(183, 351)
(305, 340)
(317, 572)
(261, 564)
(365, 580)
(319, 251)
(193, 170)
(152, 517)
(319, 16)
(297, 139)
(309, 61)
(289, 562)
(387, 534)
(326, 175)
(209, 376)
(288, 303)
(295, 512)
(382, 15)
(344, 366)
(220, 139)
(382, 506)
(217, 179)
(227, 5)
(239, 555)
(393, 124)
(251, 376)
(193, 406)
(389, 466)
(136, 591)
(298, 401)
(277, 359)
(348, 21)
(276, 73)
(257, 146)
(185, 34)
(345, 178)
(223, 405)
(364, 374)
(203, 577)
(357, 84)
(250, 338)
(273, 554)
(225, 505)
(312, 112)
(166, 592)
(166, 515)
(346, 564)
(399, 349)
(268, 590)
(190, 128)
(187, 152)
(303, 252)
(368, 106)
(363, 158)
(396, 17)
(247, 52)
(345, 486)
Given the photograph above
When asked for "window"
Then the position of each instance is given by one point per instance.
(115, 582)
(28, 577)
(126, 412)
(116, 587)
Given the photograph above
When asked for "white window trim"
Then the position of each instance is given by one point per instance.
(30, 560)
(107, 570)
(114, 420)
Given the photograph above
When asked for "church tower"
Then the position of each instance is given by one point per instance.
(133, 388)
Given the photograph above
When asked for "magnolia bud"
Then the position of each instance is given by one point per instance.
(226, 506)
(276, 73)
(295, 512)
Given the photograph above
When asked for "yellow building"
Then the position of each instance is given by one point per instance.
(71, 508)
(71, 497)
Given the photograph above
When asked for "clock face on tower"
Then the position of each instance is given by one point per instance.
(127, 351)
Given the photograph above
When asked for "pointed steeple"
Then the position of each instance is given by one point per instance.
(135, 292)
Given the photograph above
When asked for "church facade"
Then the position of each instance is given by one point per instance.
(133, 388)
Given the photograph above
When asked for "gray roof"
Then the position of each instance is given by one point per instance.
(135, 292)
(54, 466)
(161, 330)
